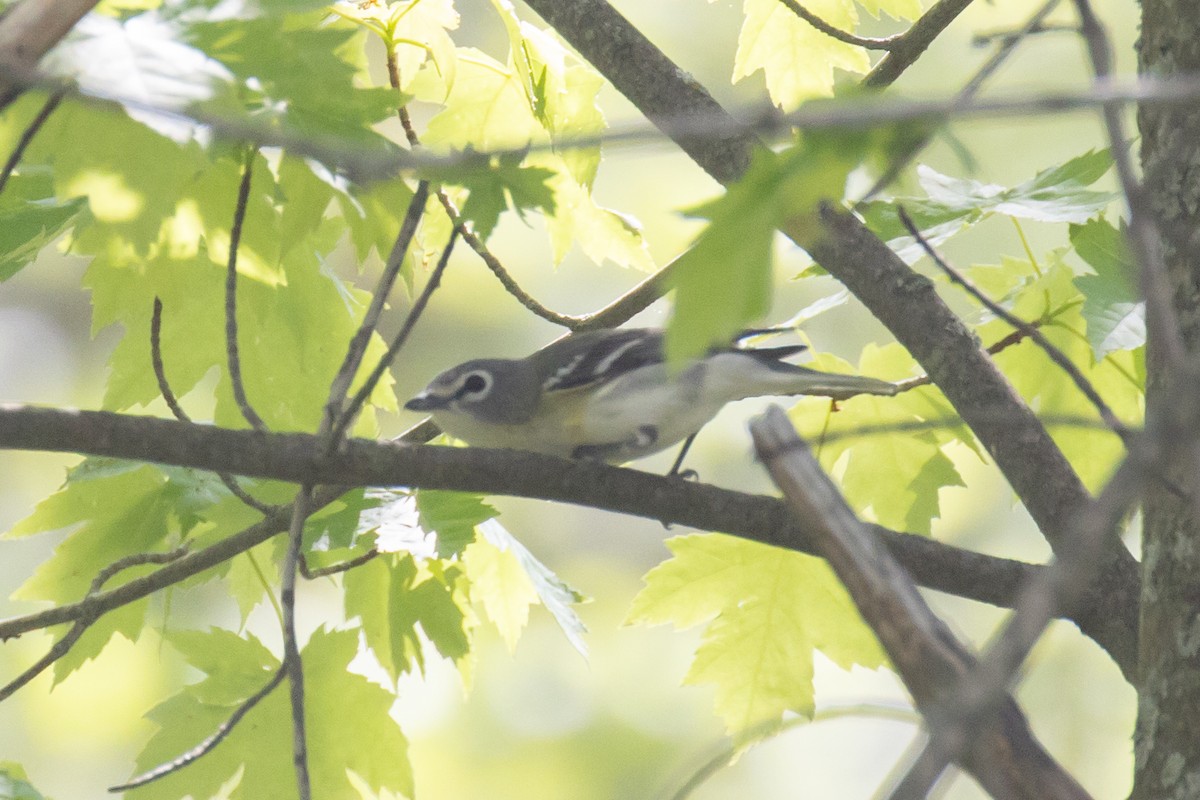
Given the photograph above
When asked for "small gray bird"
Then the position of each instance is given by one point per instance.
(609, 395)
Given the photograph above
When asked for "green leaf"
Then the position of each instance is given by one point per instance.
(113, 509)
(506, 579)
(892, 476)
(453, 517)
(936, 222)
(129, 621)
(1058, 194)
(797, 60)
(32, 216)
(367, 743)
(132, 177)
(723, 282)
(562, 95)
(486, 110)
(602, 233)
(1112, 308)
(336, 526)
(500, 585)
(490, 108)
(280, 297)
(766, 610)
(14, 784)
(292, 72)
(396, 600)
(416, 31)
(255, 760)
(1053, 296)
(234, 666)
(374, 214)
(306, 196)
(247, 580)
(499, 185)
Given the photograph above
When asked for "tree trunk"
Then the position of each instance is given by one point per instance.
(1167, 761)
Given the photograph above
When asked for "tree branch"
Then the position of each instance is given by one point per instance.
(27, 32)
(1001, 752)
(296, 458)
(909, 47)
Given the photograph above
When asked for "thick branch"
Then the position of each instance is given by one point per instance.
(909, 47)
(27, 32)
(296, 457)
(1001, 752)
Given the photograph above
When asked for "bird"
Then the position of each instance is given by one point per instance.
(609, 395)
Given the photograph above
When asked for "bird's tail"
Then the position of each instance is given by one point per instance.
(793, 379)
(801, 380)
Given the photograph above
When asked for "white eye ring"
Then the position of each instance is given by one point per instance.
(474, 386)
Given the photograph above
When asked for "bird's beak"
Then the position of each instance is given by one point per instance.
(426, 402)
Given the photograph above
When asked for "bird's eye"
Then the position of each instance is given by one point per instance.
(475, 386)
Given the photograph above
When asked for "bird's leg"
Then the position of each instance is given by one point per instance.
(687, 474)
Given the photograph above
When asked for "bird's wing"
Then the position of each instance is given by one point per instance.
(595, 357)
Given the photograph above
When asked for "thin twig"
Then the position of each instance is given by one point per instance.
(83, 622)
(834, 32)
(156, 362)
(27, 136)
(502, 274)
(293, 665)
(435, 278)
(168, 395)
(1005, 35)
(1161, 320)
(333, 569)
(998, 346)
(1029, 331)
(481, 249)
(362, 337)
(765, 121)
(948, 423)
(209, 744)
(231, 278)
(727, 755)
(901, 161)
